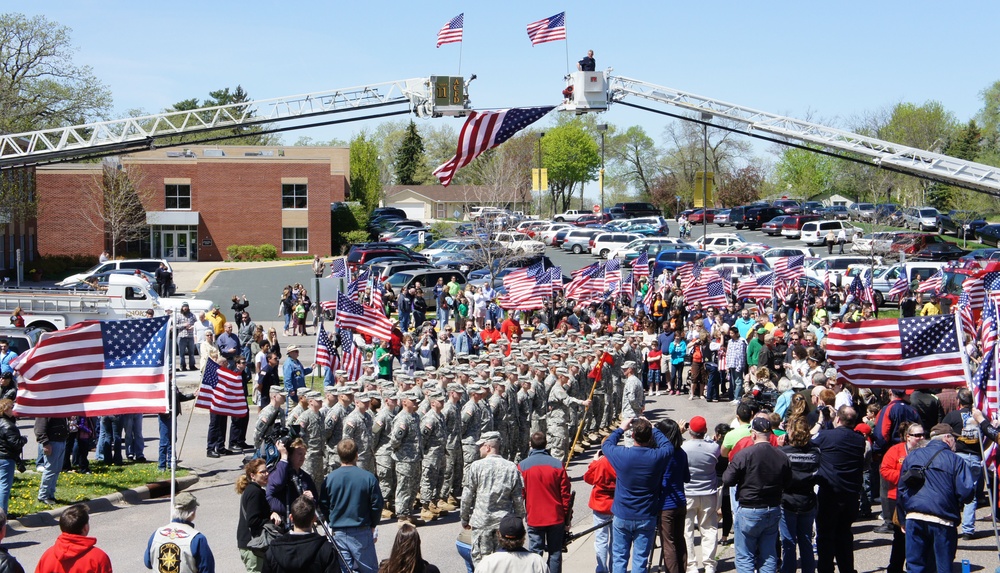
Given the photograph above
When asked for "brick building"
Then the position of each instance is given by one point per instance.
(201, 200)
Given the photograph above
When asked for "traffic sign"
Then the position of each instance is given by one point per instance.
(597, 209)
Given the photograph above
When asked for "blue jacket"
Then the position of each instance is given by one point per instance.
(678, 473)
(639, 469)
(841, 468)
(947, 487)
(295, 376)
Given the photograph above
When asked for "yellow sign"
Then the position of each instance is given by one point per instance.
(534, 180)
(699, 189)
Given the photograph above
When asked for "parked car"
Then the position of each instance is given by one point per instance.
(884, 213)
(756, 217)
(814, 232)
(738, 264)
(873, 244)
(835, 212)
(772, 255)
(921, 218)
(773, 227)
(547, 233)
(940, 252)
(670, 260)
(989, 235)
(602, 244)
(518, 243)
(128, 265)
(861, 211)
(792, 227)
(384, 270)
(982, 255)
(701, 216)
(578, 240)
(652, 245)
(633, 210)
(812, 207)
(963, 224)
(834, 267)
(736, 215)
(789, 206)
(388, 211)
(592, 219)
(719, 242)
(912, 243)
(570, 215)
(722, 217)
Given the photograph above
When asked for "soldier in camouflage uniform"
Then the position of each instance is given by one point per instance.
(491, 489)
(407, 453)
(381, 432)
(435, 437)
(311, 432)
(454, 464)
(270, 419)
(560, 405)
(524, 399)
(633, 398)
(471, 424)
(358, 427)
(538, 395)
(333, 423)
(499, 410)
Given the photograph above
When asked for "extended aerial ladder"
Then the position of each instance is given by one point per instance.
(427, 97)
(595, 91)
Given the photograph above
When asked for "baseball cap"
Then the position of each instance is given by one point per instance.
(511, 527)
(698, 425)
(185, 501)
(761, 425)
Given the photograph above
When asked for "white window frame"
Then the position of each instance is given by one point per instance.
(294, 239)
(177, 197)
(295, 195)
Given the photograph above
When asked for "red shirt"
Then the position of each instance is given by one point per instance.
(653, 358)
(602, 476)
(509, 328)
(892, 464)
(490, 336)
(748, 441)
(546, 489)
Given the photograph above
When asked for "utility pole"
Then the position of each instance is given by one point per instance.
(603, 128)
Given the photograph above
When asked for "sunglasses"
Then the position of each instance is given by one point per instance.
(920, 435)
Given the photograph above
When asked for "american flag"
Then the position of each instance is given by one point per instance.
(975, 288)
(933, 284)
(900, 287)
(647, 300)
(529, 297)
(710, 293)
(862, 289)
(96, 368)
(984, 397)
(758, 287)
(324, 348)
(351, 359)
(790, 268)
(727, 280)
(486, 130)
(965, 315)
(339, 269)
(358, 285)
(640, 268)
(451, 32)
(523, 283)
(587, 282)
(328, 305)
(612, 272)
(378, 296)
(221, 392)
(557, 279)
(627, 285)
(780, 289)
(917, 352)
(548, 29)
(687, 272)
(365, 320)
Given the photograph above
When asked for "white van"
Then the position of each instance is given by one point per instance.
(148, 265)
(814, 232)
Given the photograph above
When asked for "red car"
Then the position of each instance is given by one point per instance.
(698, 217)
(592, 220)
(792, 227)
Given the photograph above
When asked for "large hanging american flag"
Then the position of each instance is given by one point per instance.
(451, 32)
(324, 348)
(221, 392)
(529, 297)
(524, 283)
(548, 29)
(363, 319)
(757, 287)
(485, 130)
(96, 368)
(351, 359)
(917, 352)
(790, 268)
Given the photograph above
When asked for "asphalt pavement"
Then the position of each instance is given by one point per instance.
(124, 529)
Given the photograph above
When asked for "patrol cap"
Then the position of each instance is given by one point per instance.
(487, 436)
(313, 395)
(410, 395)
(390, 394)
(277, 390)
(436, 395)
(184, 501)
(476, 388)
(562, 371)
(430, 369)
(628, 364)
(456, 387)
(340, 372)
(331, 390)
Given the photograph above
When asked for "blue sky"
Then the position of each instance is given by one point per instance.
(830, 61)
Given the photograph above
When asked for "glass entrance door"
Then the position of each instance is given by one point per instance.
(175, 245)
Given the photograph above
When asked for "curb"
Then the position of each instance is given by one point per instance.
(208, 276)
(129, 496)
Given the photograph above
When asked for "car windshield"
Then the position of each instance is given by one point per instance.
(928, 212)
(399, 279)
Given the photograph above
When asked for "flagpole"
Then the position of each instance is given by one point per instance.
(171, 393)
(460, 51)
(568, 70)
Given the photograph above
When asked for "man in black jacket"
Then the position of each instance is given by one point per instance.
(301, 550)
(841, 472)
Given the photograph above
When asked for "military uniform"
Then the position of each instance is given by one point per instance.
(333, 430)
(407, 453)
(471, 423)
(435, 437)
(381, 432)
(633, 398)
(452, 479)
(268, 421)
(358, 427)
(492, 488)
(560, 406)
(499, 414)
(312, 435)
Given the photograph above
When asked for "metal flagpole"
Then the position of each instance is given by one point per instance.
(568, 69)
(460, 48)
(171, 393)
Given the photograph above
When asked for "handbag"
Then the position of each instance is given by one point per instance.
(914, 477)
(260, 542)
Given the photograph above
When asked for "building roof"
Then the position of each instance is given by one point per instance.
(456, 193)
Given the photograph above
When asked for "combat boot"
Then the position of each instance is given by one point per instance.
(426, 514)
(453, 502)
(445, 507)
(411, 520)
(578, 449)
(387, 513)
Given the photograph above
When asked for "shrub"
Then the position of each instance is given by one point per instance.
(60, 266)
(244, 253)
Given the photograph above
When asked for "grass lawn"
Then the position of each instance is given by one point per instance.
(868, 228)
(73, 487)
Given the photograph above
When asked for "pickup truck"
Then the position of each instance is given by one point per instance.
(570, 216)
(519, 243)
(126, 296)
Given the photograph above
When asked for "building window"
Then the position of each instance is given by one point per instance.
(293, 196)
(295, 240)
(178, 197)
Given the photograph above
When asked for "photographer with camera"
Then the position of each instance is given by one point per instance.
(288, 480)
(11, 442)
(270, 427)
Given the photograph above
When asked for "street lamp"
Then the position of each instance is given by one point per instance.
(603, 128)
(705, 117)
(541, 134)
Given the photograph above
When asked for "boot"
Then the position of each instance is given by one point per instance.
(426, 514)
(578, 449)
(453, 502)
(387, 513)
(593, 437)
(445, 507)
(411, 520)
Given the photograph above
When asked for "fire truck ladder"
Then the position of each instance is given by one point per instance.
(885, 154)
(140, 133)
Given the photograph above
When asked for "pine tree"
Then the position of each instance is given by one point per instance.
(409, 156)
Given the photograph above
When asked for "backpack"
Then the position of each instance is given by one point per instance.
(915, 477)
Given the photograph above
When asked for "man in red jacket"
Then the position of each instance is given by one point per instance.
(547, 500)
(73, 551)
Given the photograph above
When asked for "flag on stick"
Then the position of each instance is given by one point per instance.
(222, 392)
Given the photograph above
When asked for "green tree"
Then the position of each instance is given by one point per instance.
(634, 161)
(803, 173)
(366, 184)
(236, 135)
(410, 157)
(572, 157)
(40, 86)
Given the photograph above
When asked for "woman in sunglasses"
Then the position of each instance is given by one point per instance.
(892, 463)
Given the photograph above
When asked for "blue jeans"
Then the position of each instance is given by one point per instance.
(602, 542)
(629, 532)
(654, 380)
(357, 546)
(166, 441)
(796, 531)
(51, 466)
(288, 320)
(109, 445)
(465, 550)
(975, 465)
(756, 539)
(6, 482)
(134, 444)
(548, 540)
(185, 347)
(735, 384)
(443, 315)
(930, 546)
